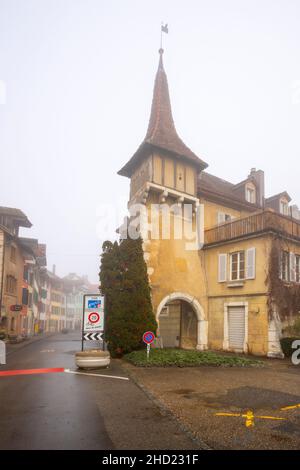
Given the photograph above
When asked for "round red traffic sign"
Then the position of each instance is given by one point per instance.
(94, 317)
(148, 337)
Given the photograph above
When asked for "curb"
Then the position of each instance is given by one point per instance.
(165, 410)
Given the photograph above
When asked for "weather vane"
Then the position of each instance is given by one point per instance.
(164, 29)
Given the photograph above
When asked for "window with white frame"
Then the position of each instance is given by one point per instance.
(223, 217)
(242, 265)
(164, 311)
(237, 266)
(285, 266)
(284, 207)
(250, 193)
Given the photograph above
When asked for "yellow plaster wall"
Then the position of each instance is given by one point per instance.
(257, 322)
(171, 268)
(253, 291)
(211, 210)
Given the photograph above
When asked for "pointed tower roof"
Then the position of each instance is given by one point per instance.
(161, 133)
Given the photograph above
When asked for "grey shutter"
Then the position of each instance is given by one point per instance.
(236, 327)
(250, 263)
(222, 275)
(292, 267)
(221, 218)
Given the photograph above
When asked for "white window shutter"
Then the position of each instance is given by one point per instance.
(222, 277)
(250, 263)
(221, 218)
(292, 267)
(280, 265)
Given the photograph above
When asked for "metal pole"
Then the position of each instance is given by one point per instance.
(82, 326)
(104, 307)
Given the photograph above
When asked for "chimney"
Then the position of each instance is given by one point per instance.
(53, 268)
(259, 178)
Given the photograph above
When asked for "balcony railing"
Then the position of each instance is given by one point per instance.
(264, 221)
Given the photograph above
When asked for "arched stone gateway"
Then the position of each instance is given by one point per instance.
(176, 318)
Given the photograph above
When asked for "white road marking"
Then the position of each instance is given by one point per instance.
(68, 371)
(47, 351)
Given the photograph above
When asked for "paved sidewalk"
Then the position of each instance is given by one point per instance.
(195, 394)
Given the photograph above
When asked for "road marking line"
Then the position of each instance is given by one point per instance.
(68, 371)
(250, 417)
(290, 407)
(6, 373)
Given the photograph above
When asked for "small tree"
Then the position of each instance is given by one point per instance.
(124, 281)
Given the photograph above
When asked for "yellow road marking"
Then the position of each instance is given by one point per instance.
(290, 407)
(249, 417)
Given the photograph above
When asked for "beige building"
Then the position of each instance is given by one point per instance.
(240, 284)
(12, 314)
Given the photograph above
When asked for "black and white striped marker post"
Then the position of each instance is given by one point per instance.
(92, 336)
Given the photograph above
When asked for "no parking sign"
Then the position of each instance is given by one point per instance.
(148, 338)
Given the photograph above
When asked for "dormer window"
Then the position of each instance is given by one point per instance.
(284, 207)
(250, 193)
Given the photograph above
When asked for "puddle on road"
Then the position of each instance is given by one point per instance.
(240, 398)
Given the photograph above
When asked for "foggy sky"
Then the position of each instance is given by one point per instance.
(79, 78)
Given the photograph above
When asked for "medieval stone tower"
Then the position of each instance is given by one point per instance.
(164, 171)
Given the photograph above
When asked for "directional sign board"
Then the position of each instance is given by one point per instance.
(92, 336)
(93, 313)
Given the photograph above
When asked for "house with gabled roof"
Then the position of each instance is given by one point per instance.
(239, 287)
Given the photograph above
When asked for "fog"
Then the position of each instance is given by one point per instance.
(76, 81)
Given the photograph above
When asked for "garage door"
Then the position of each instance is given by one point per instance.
(236, 327)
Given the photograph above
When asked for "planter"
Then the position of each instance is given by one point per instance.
(92, 359)
(13, 339)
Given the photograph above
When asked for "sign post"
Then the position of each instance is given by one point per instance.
(93, 318)
(148, 338)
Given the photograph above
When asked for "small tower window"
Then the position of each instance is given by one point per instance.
(284, 207)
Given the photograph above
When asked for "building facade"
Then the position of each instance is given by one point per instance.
(237, 285)
(12, 315)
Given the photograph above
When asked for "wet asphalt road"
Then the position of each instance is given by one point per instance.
(66, 411)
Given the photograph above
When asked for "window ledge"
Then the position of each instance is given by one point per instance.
(235, 284)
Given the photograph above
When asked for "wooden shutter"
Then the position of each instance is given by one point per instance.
(250, 263)
(222, 276)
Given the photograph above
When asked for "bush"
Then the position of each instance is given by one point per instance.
(188, 358)
(124, 282)
(286, 345)
(293, 330)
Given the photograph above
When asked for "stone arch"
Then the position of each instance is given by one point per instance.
(197, 308)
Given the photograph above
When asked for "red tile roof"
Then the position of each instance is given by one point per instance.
(161, 131)
(213, 187)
